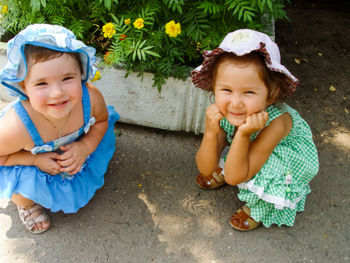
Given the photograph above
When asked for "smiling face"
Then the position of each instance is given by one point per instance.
(239, 89)
(53, 86)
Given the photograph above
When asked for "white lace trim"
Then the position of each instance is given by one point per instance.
(279, 202)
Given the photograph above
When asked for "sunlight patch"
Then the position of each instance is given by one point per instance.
(19, 250)
(4, 203)
(209, 226)
(196, 207)
(340, 137)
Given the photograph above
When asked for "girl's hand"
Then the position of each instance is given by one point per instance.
(212, 121)
(253, 123)
(73, 157)
(47, 163)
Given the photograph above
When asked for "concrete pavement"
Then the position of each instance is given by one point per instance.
(150, 210)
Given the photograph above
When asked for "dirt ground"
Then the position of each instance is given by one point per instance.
(315, 47)
(150, 210)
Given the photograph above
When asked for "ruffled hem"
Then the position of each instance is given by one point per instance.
(54, 192)
(279, 202)
(270, 209)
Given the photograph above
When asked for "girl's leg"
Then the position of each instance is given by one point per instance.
(20, 200)
(27, 204)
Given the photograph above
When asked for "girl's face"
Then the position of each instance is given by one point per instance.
(239, 91)
(54, 86)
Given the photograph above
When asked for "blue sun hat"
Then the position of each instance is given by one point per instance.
(48, 36)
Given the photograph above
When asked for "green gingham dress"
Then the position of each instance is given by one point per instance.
(278, 191)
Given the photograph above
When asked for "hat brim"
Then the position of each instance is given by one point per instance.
(202, 75)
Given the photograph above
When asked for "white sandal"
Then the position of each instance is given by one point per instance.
(29, 222)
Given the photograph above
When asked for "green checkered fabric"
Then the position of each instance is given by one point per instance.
(278, 191)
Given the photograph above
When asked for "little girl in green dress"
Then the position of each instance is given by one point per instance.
(251, 138)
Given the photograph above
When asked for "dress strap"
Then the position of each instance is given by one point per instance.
(28, 123)
(86, 104)
(87, 109)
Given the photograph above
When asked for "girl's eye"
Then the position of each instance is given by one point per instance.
(249, 92)
(227, 90)
(67, 78)
(40, 84)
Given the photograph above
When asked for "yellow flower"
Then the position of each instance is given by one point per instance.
(127, 21)
(5, 9)
(139, 23)
(97, 76)
(108, 30)
(172, 29)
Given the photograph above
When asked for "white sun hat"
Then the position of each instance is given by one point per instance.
(242, 42)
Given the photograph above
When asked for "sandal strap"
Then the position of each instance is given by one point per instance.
(27, 212)
(245, 222)
(27, 220)
(218, 177)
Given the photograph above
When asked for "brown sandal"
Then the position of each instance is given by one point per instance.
(242, 221)
(215, 180)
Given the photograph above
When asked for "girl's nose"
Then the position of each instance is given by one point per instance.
(236, 101)
(56, 91)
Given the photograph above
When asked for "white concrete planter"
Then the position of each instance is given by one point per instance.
(179, 106)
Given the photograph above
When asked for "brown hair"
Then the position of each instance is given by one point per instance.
(273, 80)
(34, 54)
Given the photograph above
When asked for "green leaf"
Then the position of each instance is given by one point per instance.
(152, 53)
(35, 5)
(43, 3)
(269, 4)
(108, 4)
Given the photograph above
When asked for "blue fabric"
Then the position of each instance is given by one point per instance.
(58, 193)
(27, 121)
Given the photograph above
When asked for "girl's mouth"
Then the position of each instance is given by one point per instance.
(236, 114)
(58, 105)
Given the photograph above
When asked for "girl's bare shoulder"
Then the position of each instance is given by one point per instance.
(95, 94)
(98, 104)
(282, 124)
(13, 133)
(277, 129)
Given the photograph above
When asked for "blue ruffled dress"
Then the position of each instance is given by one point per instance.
(60, 192)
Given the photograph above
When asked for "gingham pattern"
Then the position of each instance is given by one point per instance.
(279, 189)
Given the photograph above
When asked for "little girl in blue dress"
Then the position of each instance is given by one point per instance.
(56, 139)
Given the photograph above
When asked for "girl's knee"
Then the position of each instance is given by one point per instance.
(3, 159)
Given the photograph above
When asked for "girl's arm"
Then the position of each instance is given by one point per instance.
(208, 154)
(246, 158)
(46, 162)
(100, 112)
(15, 143)
(76, 153)
(13, 134)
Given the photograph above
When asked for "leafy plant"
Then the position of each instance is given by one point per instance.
(165, 37)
